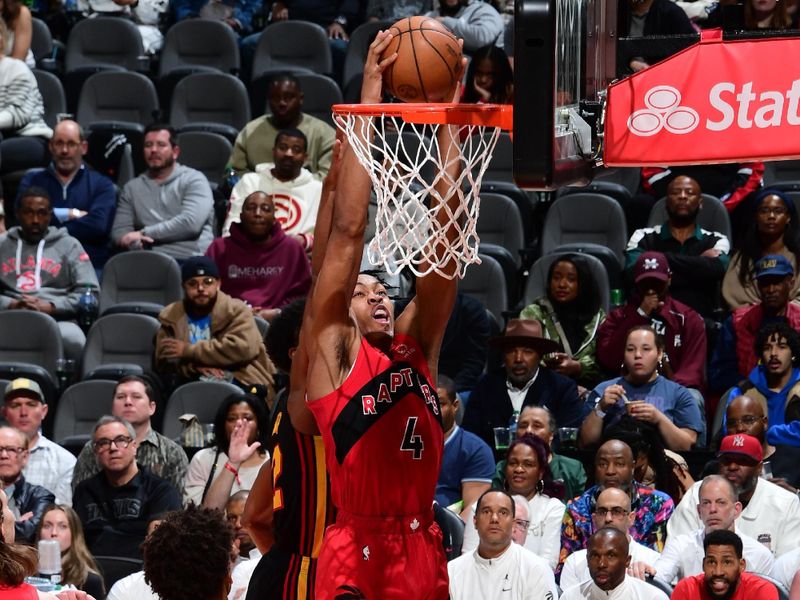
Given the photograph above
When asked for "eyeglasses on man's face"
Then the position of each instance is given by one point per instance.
(104, 444)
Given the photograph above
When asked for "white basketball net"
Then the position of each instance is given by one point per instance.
(404, 164)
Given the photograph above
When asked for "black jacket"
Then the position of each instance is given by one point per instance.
(29, 497)
(489, 405)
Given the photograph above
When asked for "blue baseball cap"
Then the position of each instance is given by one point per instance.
(773, 265)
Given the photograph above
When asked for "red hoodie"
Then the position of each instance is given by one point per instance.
(266, 274)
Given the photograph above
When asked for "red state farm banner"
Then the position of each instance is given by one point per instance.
(713, 102)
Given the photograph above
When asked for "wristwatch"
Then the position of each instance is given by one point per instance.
(599, 411)
(341, 20)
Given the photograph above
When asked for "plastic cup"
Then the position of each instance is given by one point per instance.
(502, 438)
(568, 436)
(50, 560)
(630, 404)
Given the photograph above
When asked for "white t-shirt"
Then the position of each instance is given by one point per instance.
(132, 587)
(517, 574)
(630, 589)
(576, 567)
(544, 532)
(200, 469)
(241, 575)
(683, 556)
(772, 517)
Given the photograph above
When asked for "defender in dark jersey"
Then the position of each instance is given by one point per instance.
(371, 388)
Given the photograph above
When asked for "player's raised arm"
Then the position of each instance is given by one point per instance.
(333, 338)
(426, 316)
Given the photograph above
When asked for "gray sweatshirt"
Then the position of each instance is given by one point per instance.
(177, 213)
(57, 270)
(478, 23)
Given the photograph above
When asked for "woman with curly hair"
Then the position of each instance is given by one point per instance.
(773, 231)
(241, 427)
(528, 474)
(78, 567)
(188, 555)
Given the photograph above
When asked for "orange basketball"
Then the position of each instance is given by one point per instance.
(428, 61)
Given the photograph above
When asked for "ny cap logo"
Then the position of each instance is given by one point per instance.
(663, 112)
(738, 441)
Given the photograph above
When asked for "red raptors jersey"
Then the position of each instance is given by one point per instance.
(383, 433)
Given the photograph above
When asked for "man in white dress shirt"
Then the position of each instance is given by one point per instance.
(499, 569)
(770, 514)
(608, 557)
(718, 508)
(612, 509)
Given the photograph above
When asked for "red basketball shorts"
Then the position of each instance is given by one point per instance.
(374, 558)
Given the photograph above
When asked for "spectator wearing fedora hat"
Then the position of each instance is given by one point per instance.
(680, 326)
(521, 382)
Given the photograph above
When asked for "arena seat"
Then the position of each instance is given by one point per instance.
(206, 151)
(486, 282)
(79, 407)
(119, 344)
(586, 218)
(360, 39)
(53, 96)
(536, 286)
(713, 216)
(290, 44)
(201, 398)
(30, 346)
(139, 281)
(124, 100)
(500, 222)
(500, 167)
(215, 102)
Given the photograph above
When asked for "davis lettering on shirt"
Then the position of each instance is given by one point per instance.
(237, 272)
(47, 265)
(118, 509)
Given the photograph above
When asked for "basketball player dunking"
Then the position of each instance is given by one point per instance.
(371, 387)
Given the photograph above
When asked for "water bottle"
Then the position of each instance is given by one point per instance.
(50, 560)
(617, 298)
(88, 308)
(512, 425)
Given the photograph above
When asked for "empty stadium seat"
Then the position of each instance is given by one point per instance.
(499, 222)
(215, 102)
(713, 215)
(360, 39)
(30, 346)
(526, 204)
(79, 407)
(207, 152)
(500, 167)
(536, 285)
(201, 398)
(586, 218)
(118, 345)
(288, 45)
(486, 282)
(139, 281)
(53, 97)
(122, 99)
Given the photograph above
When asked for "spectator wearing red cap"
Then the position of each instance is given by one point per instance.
(770, 514)
(681, 328)
(734, 357)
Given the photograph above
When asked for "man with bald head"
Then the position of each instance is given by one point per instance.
(613, 468)
(746, 415)
(612, 509)
(719, 507)
(83, 200)
(697, 258)
(608, 557)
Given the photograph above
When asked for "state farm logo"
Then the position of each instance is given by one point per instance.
(663, 112)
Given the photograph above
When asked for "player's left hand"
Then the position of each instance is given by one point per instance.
(238, 449)
(375, 65)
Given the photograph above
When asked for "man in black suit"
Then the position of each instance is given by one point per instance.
(501, 393)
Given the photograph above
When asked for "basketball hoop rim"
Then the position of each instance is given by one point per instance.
(487, 115)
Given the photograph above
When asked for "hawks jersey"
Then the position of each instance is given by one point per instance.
(383, 433)
(302, 507)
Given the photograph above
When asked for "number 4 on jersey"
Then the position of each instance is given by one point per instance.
(412, 442)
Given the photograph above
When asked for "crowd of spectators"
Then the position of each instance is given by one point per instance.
(698, 357)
